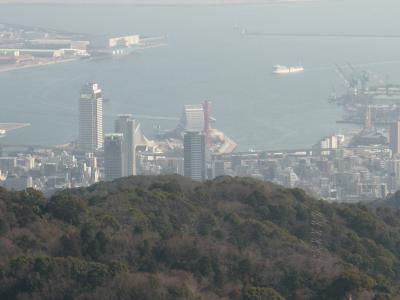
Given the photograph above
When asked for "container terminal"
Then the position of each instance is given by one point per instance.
(362, 96)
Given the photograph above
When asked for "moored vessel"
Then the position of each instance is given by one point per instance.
(279, 69)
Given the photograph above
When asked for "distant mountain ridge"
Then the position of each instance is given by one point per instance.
(168, 237)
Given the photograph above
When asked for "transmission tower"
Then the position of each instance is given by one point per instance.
(317, 226)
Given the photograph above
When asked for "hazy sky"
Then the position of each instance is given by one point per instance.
(151, 1)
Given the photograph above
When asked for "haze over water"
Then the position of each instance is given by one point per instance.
(207, 58)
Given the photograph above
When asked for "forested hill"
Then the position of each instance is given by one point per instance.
(171, 238)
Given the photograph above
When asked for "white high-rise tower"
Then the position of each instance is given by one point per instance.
(91, 118)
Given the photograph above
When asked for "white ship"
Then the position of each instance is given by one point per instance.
(278, 69)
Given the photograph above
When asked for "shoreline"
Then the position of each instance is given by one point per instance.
(17, 67)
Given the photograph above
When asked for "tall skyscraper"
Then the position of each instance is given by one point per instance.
(113, 157)
(194, 148)
(395, 137)
(91, 118)
(126, 125)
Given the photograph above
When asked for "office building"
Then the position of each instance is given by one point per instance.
(91, 118)
(194, 145)
(113, 157)
(8, 164)
(126, 126)
(219, 168)
(17, 183)
(395, 138)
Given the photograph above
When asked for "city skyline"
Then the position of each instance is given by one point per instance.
(199, 149)
(162, 150)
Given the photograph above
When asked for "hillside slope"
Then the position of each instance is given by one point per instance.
(171, 238)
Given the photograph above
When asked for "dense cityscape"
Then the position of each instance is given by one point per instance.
(357, 166)
(199, 150)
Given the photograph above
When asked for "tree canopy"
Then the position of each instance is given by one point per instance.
(168, 237)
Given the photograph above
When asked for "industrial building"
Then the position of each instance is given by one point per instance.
(124, 41)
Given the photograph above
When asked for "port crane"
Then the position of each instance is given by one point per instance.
(356, 80)
(361, 78)
(348, 81)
